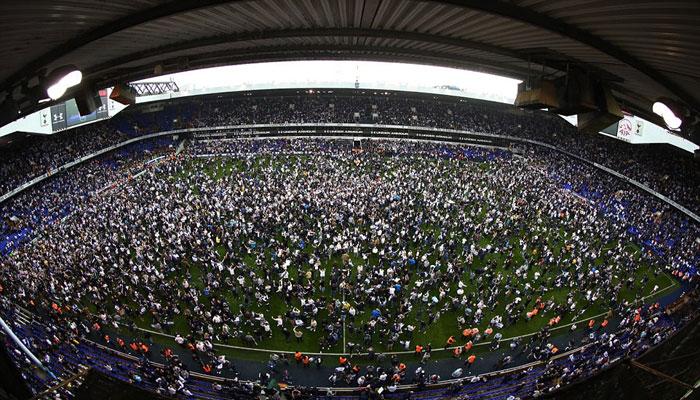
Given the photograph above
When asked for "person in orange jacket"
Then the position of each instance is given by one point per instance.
(450, 341)
(342, 360)
(468, 346)
(419, 349)
(470, 360)
(144, 348)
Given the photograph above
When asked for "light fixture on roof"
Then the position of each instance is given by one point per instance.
(61, 79)
(662, 109)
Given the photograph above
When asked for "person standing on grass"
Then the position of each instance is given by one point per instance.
(298, 334)
(450, 342)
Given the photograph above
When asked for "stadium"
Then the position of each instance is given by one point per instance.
(349, 237)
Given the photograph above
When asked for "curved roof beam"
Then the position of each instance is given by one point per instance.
(495, 7)
(308, 32)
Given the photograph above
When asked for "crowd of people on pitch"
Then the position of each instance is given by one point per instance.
(677, 179)
(294, 239)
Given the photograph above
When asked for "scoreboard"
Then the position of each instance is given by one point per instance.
(65, 115)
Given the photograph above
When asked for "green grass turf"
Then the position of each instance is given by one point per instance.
(436, 333)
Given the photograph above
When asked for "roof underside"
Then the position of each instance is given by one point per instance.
(643, 49)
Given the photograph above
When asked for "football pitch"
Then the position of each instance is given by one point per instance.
(434, 316)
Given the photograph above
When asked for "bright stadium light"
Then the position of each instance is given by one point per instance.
(661, 109)
(61, 79)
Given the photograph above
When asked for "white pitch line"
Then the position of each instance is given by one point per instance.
(689, 392)
(344, 318)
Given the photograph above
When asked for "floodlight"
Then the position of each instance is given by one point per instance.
(661, 109)
(61, 79)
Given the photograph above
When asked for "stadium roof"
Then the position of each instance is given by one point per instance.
(643, 49)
